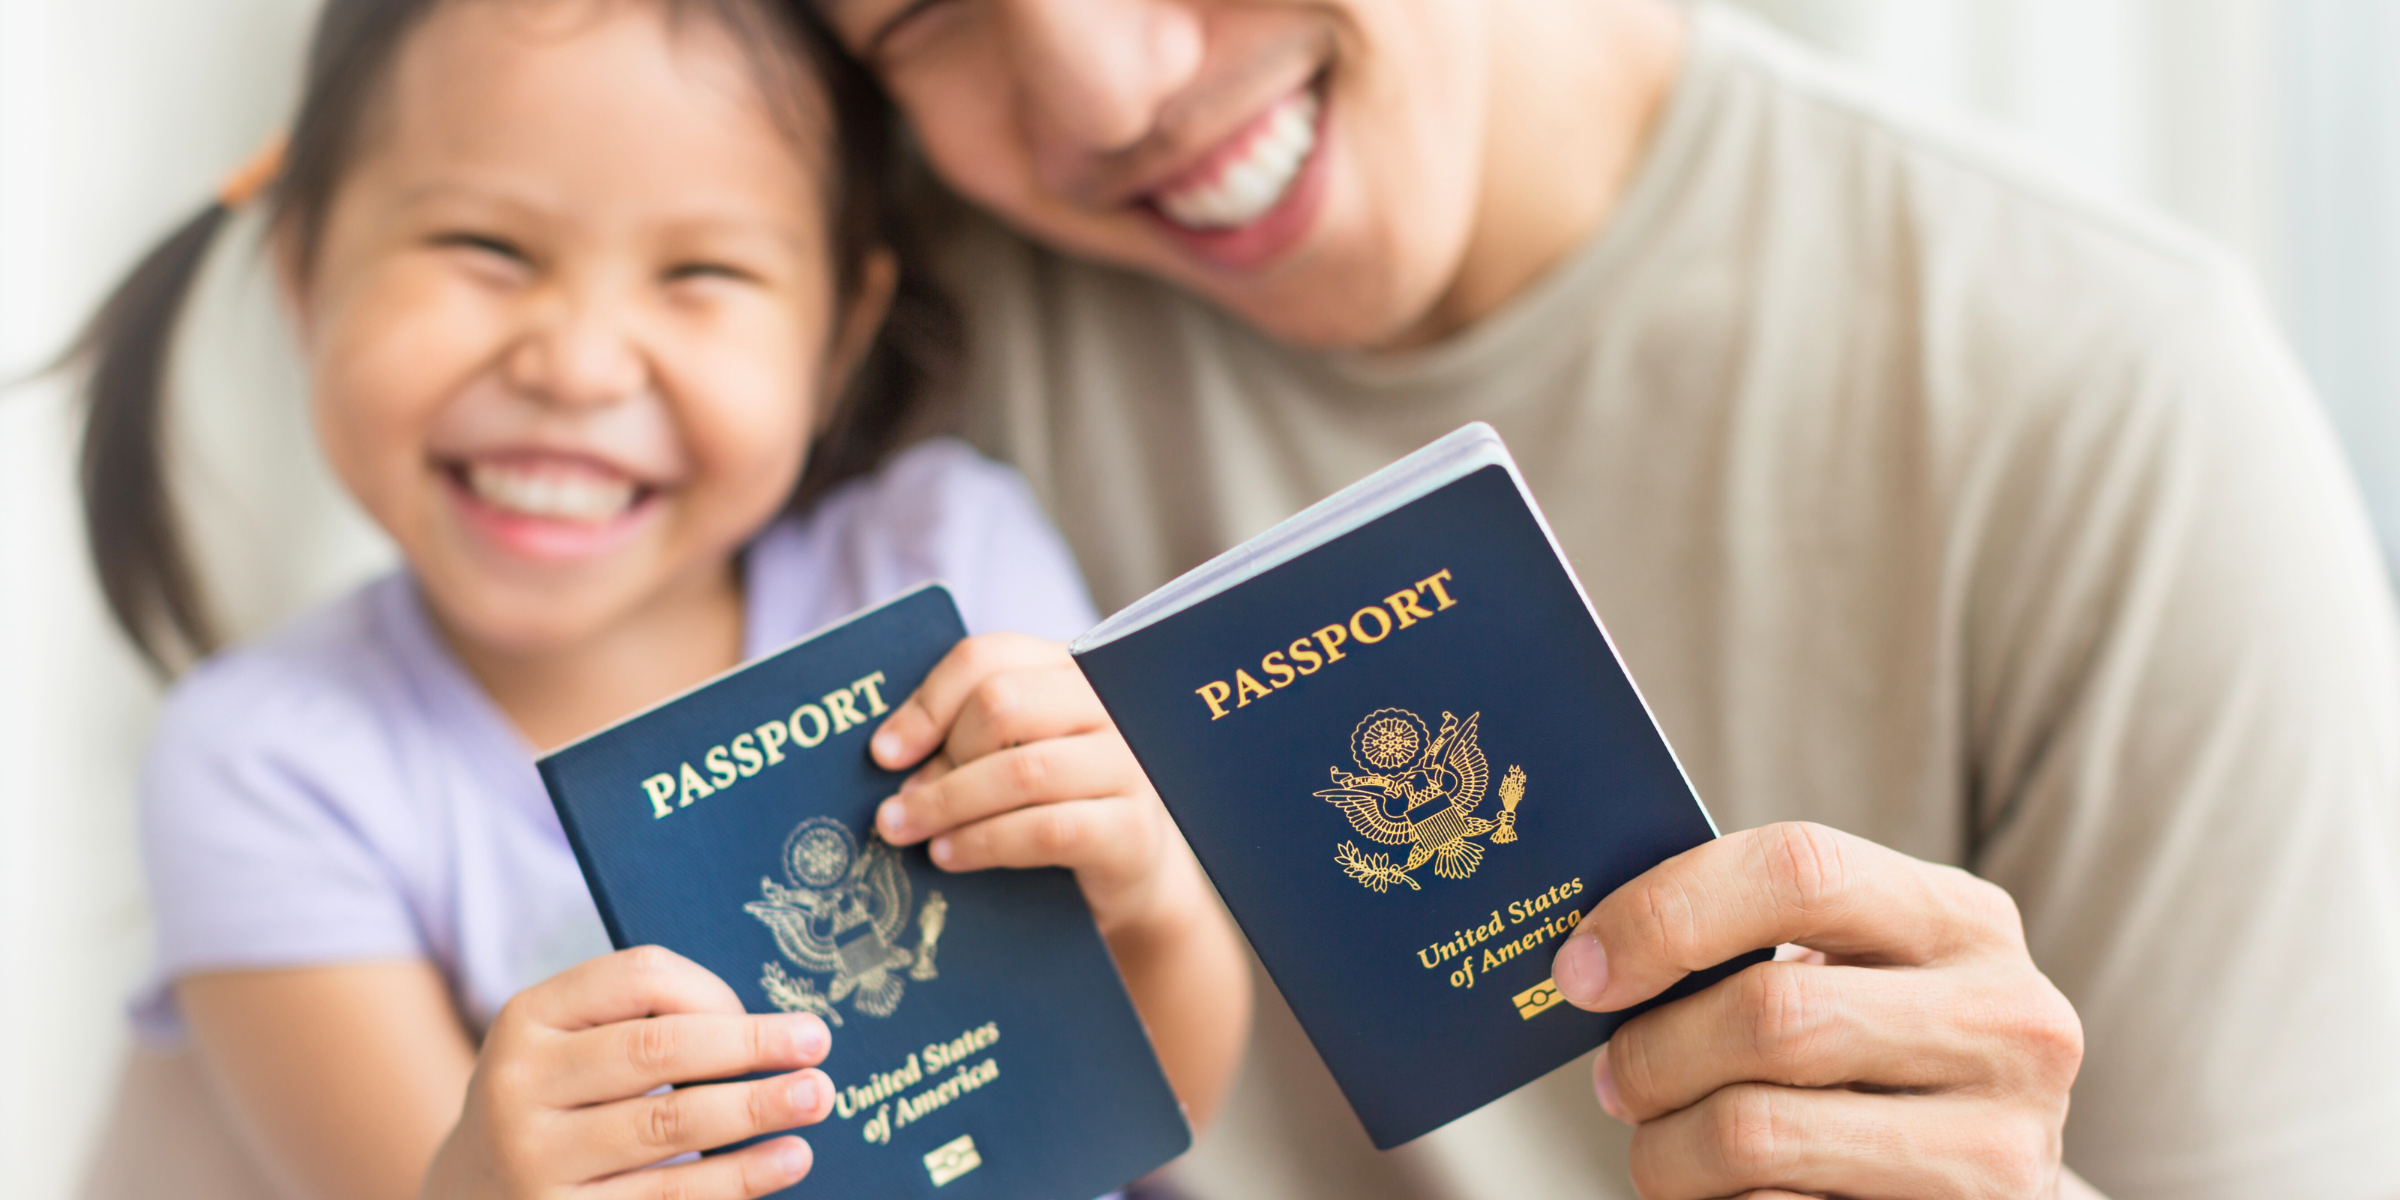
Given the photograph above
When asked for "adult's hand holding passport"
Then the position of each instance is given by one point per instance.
(1915, 1050)
(1408, 877)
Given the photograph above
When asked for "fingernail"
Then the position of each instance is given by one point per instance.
(892, 817)
(886, 745)
(793, 1157)
(1604, 1085)
(807, 1088)
(809, 1035)
(1581, 970)
(940, 850)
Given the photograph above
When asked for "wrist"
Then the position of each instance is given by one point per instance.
(1160, 910)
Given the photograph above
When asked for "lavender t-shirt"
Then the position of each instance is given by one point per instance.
(343, 791)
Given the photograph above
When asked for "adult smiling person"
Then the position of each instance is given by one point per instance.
(1929, 502)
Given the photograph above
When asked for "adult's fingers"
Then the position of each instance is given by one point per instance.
(1070, 833)
(1800, 1026)
(1831, 1141)
(620, 1136)
(1793, 882)
(1062, 768)
(769, 1166)
(918, 725)
(1991, 1027)
(642, 981)
(629, 1058)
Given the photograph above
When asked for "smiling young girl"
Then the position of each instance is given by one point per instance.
(593, 297)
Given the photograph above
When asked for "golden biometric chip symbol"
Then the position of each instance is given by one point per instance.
(952, 1159)
(1538, 999)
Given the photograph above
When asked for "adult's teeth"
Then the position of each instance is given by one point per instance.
(557, 495)
(1246, 188)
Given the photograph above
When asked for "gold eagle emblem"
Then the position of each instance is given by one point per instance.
(843, 915)
(1421, 792)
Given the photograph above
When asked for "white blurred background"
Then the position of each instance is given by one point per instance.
(2271, 125)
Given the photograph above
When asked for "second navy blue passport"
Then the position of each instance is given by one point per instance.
(983, 1045)
(1410, 761)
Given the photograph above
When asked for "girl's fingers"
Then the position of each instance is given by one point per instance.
(929, 771)
(1084, 835)
(767, 1167)
(1062, 768)
(613, 1062)
(608, 1138)
(1025, 705)
(1758, 1137)
(641, 981)
(919, 724)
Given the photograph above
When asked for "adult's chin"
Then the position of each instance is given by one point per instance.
(1353, 284)
(1326, 305)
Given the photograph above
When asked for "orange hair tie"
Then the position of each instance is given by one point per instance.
(253, 176)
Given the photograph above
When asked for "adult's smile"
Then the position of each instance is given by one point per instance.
(1255, 194)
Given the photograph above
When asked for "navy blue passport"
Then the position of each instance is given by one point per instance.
(983, 1045)
(1398, 738)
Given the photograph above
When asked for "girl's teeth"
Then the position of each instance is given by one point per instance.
(553, 495)
(1247, 188)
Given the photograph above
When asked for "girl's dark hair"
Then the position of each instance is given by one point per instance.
(137, 545)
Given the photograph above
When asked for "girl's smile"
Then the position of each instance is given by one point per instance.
(549, 507)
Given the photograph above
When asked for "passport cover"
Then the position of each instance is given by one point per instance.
(983, 1044)
(1410, 760)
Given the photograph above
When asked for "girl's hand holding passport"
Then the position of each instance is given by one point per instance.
(1021, 767)
(985, 1046)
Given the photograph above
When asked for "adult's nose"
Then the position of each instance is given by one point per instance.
(578, 351)
(1094, 74)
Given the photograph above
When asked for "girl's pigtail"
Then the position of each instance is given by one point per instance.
(128, 515)
(146, 572)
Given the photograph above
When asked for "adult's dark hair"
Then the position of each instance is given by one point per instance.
(136, 542)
